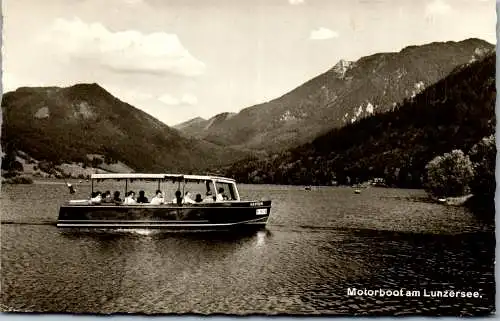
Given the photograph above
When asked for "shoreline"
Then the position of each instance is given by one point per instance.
(448, 201)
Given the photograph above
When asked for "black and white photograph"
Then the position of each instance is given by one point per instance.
(248, 158)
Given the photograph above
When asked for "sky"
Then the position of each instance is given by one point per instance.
(180, 59)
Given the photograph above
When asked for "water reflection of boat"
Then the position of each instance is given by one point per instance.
(216, 212)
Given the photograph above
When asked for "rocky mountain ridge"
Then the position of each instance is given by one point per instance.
(63, 125)
(346, 93)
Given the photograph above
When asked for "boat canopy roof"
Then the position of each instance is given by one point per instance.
(173, 177)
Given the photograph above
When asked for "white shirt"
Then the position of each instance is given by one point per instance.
(157, 200)
(208, 199)
(97, 199)
(129, 200)
(188, 200)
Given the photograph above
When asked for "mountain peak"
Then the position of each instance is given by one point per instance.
(476, 41)
(341, 67)
(345, 93)
(223, 115)
(190, 122)
(62, 125)
(468, 43)
(88, 88)
(81, 87)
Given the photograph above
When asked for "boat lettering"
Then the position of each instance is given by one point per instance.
(261, 211)
(256, 203)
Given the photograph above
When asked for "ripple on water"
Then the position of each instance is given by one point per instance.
(318, 245)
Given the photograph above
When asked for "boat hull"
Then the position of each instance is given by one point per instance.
(211, 216)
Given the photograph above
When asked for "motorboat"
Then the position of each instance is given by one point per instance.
(217, 204)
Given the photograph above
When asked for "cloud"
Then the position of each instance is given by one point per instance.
(186, 99)
(437, 8)
(127, 51)
(323, 34)
(168, 99)
(296, 2)
(189, 99)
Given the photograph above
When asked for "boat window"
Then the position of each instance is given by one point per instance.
(149, 187)
(205, 189)
(229, 190)
(123, 186)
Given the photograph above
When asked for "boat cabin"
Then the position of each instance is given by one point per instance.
(204, 186)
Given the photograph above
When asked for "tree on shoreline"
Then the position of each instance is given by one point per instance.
(9, 161)
(483, 155)
(449, 175)
(456, 174)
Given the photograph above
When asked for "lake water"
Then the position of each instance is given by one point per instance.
(317, 244)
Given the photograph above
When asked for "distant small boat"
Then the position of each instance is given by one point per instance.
(308, 188)
(357, 191)
(71, 188)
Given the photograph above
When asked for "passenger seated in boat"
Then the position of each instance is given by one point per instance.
(130, 199)
(178, 199)
(96, 198)
(187, 198)
(209, 198)
(107, 197)
(142, 198)
(221, 196)
(116, 198)
(157, 199)
(198, 198)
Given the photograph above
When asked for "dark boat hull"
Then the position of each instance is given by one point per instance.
(211, 216)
